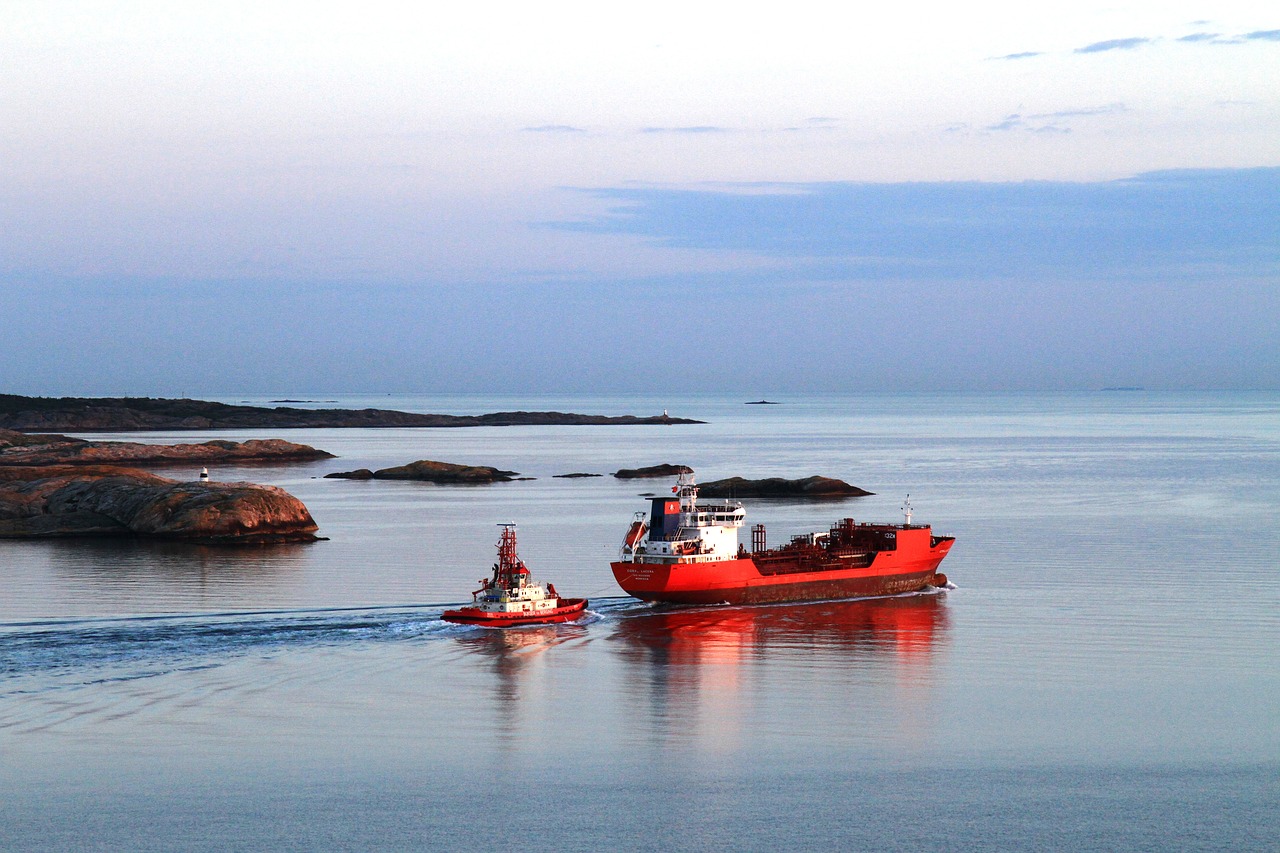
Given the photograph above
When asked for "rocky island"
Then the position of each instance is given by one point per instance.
(779, 487)
(425, 470)
(132, 414)
(652, 471)
(738, 487)
(17, 448)
(106, 500)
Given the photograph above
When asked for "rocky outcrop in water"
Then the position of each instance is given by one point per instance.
(17, 448)
(428, 471)
(132, 414)
(358, 474)
(666, 470)
(778, 487)
(102, 500)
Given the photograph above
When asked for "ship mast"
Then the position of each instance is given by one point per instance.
(687, 489)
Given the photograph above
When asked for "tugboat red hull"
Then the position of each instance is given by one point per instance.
(569, 610)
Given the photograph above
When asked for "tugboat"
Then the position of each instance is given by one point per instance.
(511, 597)
(685, 552)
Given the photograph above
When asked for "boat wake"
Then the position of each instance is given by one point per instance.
(84, 651)
(37, 657)
(55, 654)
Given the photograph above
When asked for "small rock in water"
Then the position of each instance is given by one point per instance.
(665, 470)
(445, 472)
(358, 474)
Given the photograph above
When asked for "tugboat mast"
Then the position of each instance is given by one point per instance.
(509, 573)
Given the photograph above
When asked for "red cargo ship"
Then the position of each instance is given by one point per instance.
(685, 552)
(511, 597)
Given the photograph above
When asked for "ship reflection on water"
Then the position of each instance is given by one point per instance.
(714, 680)
(902, 627)
(713, 675)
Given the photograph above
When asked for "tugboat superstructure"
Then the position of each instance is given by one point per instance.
(512, 597)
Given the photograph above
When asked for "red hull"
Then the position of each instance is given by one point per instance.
(911, 567)
(571, 609)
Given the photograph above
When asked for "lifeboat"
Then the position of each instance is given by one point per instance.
(511, 597)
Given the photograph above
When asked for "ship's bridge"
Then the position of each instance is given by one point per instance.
(669, 515)
(715, 515)
(692, 532)
(682, 529)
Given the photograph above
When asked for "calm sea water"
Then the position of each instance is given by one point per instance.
(1104, 675)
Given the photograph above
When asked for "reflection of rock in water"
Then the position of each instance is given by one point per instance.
(162, 576)
(700, 671)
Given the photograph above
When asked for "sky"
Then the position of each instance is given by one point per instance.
(222, 198)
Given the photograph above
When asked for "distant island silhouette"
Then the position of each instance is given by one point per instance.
(130, 414)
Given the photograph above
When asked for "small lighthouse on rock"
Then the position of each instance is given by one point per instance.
(204, 475)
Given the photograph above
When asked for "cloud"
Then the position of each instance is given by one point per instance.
(1107, 109)
(1168, 225)
(815, 123)
(1045, 123)
(693, 129)
(555, 128)
(810, 125)
(804, 285)
(1170, 274)
(1113, 44)
(1138, 41)
(1011, 122)
(806, 128)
